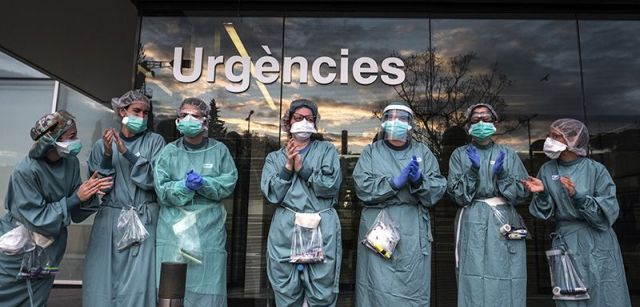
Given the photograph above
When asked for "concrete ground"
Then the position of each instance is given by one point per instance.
(65, 297)
(72, 297)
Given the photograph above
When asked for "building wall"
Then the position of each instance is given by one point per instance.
(90, 45)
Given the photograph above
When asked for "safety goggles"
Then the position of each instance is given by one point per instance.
(477, 117)
(197, 116)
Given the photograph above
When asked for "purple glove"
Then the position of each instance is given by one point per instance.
(498, 166)
(402, 179)
(473, 155)
(193, 181)
(414, 173)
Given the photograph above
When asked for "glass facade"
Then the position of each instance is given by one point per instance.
(534, 71)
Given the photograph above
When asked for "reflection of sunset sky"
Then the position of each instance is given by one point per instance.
(526, 51)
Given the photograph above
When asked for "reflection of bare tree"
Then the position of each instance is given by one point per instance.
(439, 91)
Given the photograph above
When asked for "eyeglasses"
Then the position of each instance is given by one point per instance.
(299, 117)
(477, 117)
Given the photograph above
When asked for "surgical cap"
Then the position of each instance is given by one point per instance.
(574, 132)
(128, 98)
(297, 104)
(469, 111)
(198, 103)
(55, 123)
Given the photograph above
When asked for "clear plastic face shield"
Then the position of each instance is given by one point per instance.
(396, 125)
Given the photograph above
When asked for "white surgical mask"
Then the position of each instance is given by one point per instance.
(553, 148)
(302, 130)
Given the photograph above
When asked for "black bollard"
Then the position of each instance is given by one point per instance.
(173, 276)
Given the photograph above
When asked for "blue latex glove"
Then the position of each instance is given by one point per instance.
(414, 173)
(498, 166)
(473, 156)
(402, 179)
(193, 181)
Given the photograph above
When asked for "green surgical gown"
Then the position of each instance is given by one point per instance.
(123, 278)
(41, 196)
(405, 279)
(491, 271)
(206, 281)
(313, 189)
(583, 223)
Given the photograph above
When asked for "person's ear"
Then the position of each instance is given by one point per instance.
(122, 112)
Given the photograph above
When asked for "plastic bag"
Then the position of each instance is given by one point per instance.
(512, 226)
(566, 282)
(306, 244)
(130, 228)
(189, 248)
(383, 236)
(16, 241)
(36, 264)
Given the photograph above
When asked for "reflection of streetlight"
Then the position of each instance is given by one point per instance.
(528, 119)
(248, 119)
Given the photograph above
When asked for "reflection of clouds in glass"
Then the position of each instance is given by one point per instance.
(336, 116)
(611, 65)
(355, 142)
(350, 107)
(539, 56)
(526, 51)
(258, 125)
(161, 34)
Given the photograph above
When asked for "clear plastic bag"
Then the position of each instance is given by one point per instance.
(512, 225)
(36, 264)
(16, 241)
(131, 230)
(186, 230)
(306, 244)
(566, 281)
(383, 236)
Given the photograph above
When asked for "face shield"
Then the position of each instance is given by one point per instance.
(396, 124)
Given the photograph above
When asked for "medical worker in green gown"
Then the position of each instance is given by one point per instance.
(302, 180)
(193, 175)
(124, 276)
(45, 194)
(400, 177)
(579, 194)
(485, 182)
